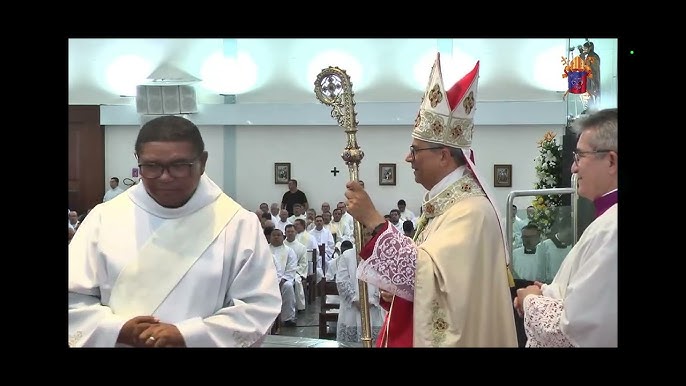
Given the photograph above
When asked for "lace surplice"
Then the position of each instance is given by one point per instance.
(542, 322)
(392, 265)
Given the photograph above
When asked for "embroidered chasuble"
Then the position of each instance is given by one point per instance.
(441, 297)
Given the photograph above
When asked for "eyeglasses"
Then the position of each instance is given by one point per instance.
(580, 154)
(176, 169)
(414, 150)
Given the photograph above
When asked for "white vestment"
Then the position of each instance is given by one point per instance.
(286, 263)
(349, 222)
(281, 225)
(552, 257)
(294, 217)
(349, 327)
(301, 272)
(408, 215)
(324, 237)
(333, 228)
(579, 308)
(306, 239)
(528, 266)
(112, 193)
(229, 297)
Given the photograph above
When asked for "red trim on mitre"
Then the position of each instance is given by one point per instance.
(457, 92)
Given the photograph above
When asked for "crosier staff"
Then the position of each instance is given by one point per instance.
(333, 88)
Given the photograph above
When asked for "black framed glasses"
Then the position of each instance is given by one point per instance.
(414, 150)
(580, 154)
(176, 169)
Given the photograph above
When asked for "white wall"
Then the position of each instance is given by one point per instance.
(313, 151)
(515, 145)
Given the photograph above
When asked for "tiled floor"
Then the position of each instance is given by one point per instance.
(307, 323)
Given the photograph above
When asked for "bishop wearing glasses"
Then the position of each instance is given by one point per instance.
(447, 287)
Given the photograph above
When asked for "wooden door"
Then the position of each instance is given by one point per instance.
(86, 176)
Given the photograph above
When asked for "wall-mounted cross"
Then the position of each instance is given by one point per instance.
(335, 171)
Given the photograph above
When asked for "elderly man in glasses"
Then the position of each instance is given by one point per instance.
(579, 307)
(449, 286)
(172, 262)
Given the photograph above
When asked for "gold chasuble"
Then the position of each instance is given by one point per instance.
(450, 285)
(452, 307)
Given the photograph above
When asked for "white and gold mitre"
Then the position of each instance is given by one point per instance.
(447, 117)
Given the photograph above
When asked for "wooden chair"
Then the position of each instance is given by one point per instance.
(328, 307)
(310, 282)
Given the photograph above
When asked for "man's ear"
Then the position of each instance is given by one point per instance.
(613, 159)
(203, 160)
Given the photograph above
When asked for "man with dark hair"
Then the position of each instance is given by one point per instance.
(114, 191)
(174, 262)
(408, 228)
(405, 214)
(293, 196)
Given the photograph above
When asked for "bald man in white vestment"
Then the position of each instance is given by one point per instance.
(286, 263)
(172, 262)
(301, 271)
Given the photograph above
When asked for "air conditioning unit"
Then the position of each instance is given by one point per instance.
(166, 100)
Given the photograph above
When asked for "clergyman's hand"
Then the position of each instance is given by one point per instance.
(522, 293)
(133, 327)
(162, 335)
(386, 296)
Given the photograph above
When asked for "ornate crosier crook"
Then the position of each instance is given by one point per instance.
(333, 88)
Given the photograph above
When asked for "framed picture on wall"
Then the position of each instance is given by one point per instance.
(386, 174)
(502, 176)
(282, 172)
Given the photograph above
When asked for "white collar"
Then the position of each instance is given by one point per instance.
(205, 194)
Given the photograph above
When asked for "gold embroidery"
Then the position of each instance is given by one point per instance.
(439, 325)
(435, 96)
(457, 130)
(469, 103)
(463, 188)
(437, 127)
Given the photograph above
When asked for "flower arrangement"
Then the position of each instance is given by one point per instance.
(549, 173)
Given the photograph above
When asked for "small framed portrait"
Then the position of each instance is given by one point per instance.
(282, 172)
(386, 174)
(502, 176)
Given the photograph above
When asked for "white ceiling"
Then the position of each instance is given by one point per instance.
(392, 70)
